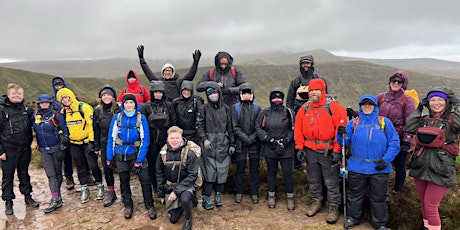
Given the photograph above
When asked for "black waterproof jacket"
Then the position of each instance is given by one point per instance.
(15, 125)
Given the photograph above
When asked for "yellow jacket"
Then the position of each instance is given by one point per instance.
(80, 128)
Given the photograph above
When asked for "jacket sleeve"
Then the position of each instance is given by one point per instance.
(147, 95)
(113, 132)
(147, 71)
(413, 122)
(235, 90)
(239, 134)
(339, 117)
(299, 138)
(145, 140)
(89, 121)
(160, 176)
(393, 144)
(120, 96)
(192, 174)
(202, 86)
(201, 123)
(231, 135)
(172, 114)
(261, 133)
(204, 78)
(348, 139)
(291, 95)
(192, 71)
(97, 130)
(62, 124)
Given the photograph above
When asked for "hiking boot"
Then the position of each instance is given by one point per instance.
(207, 204)
(55, 203)
(218, 199)
(290, 202)
(333, 214)
(349, 223)
(31, 202)
(128, 213)
(70, 184)
(271, 200)
(188, 225)
(315, 207)
(255, 199)
(85, 195)
(111, 197)
(9, 207)
(100, 192)
(238, 198)
(152, 213)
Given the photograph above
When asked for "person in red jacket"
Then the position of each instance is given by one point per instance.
(134, 87)
(315, 127)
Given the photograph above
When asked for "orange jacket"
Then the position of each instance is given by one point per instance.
(315, 127)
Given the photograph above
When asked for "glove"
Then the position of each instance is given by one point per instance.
(231, 150)
(140, 51)
(64, 139)
(197, 56)
(405, 146)
(207, 145)
(168, 189)
(109, 164)
(60, 155)
(341, 130)
(137, 168)
(300, 155)
(336, 157)
(381, 164)
(422, 104)
(351, 113)
(89, 147)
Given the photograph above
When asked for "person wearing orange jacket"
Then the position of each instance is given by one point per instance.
(315, 127)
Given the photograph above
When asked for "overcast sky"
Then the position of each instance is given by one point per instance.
(86, 29)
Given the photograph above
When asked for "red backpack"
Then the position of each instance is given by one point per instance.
(211, 72)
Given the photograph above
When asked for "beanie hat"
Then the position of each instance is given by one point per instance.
(210, 91)
(128, 97)
(107, 91)
(316, 84)
(307, 58)
(437, 94)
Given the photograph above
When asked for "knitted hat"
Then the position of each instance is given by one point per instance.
(128, 97)
(107, 91)
(210, 91)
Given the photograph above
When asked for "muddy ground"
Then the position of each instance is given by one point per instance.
(93, 215)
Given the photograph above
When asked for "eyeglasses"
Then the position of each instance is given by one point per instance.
(394, 81)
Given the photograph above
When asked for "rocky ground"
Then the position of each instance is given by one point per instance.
(93, 215)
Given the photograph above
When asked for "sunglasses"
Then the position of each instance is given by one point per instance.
(396, 81)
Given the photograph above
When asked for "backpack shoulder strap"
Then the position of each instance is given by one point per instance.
(163, 152)
(238, 110)
(138, 121)
(233, 71)
(291, 116)
(381, 122)
(211, 73)
(119, 116)
(256, 109)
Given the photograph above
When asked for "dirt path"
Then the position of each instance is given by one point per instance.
(94, 215)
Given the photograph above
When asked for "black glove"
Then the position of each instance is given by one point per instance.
(351, 113)
(336, 157)
(300, 155)
(89, 148)
(60, 155)
(64, 139)
(168, 189)
(405, 146)
(341, 130)
(197, 56)
(279, 150)
(140, 51)
(109, 164)
(137, 168)
(422, 104)
(381, 164)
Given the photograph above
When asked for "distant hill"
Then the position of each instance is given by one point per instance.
(349, 80)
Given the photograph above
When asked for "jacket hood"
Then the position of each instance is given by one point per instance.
(186, 85)
(214, 85)
(247, 86)
(135, 84)
(318, 83)
(55, 80)
(168, 65)
(157, 86)
(374, 113)
(108, 87)
(69, 93)
(219, 56)
(401, 74)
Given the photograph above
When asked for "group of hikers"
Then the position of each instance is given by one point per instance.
(175, 142)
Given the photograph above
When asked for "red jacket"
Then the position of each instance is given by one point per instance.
(315, 127)
(141, 92)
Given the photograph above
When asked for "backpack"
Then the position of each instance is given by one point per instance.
(80, 110)
(142, 93)
(238, 109)
(211, 72)
(190, 146)
(53, 118)
(138, 127)
(414, 95)
(158, 119)
(329, 98)
(356, 123)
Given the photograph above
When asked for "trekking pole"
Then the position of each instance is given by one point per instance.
(344, 175)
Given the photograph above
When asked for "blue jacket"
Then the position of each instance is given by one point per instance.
(369, 142)
(128, 134)
(46, 131)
